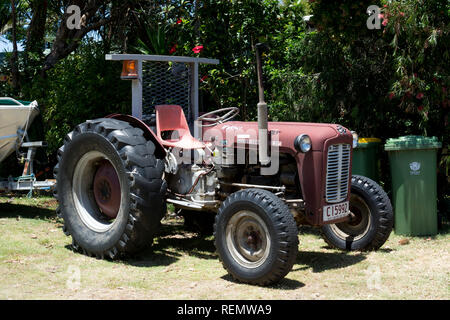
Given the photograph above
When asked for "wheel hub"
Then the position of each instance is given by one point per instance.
(358, 226)
(248, 239)
(107, 189)
(254, 240)
(357, 216)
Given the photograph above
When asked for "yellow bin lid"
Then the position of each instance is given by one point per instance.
(368, 140)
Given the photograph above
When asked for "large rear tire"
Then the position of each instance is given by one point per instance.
(256, 237)
(372, 223)
(109, 188)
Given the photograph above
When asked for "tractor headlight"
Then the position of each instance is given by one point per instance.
(355, 139)
(303, 143)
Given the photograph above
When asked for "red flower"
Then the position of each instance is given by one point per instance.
(420, 108)
(179, 21)
(173, 49)
(402, 14)
(419, 95)
(204, 78)
(385, 22)
(380, 16)
(197, 49)
(391, 95)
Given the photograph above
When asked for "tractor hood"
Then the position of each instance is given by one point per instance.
(311, 166)
(285, 132)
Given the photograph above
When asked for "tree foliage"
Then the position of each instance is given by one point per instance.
(383, 82)
(84, 86)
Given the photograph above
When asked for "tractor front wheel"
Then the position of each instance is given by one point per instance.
(256, 237)
(371, 222)
(109, 188)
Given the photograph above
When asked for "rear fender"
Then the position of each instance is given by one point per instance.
(160, 152)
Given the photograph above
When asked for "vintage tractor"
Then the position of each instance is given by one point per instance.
(254, 181)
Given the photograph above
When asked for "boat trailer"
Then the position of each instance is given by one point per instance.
(18, 115)
(27, 181)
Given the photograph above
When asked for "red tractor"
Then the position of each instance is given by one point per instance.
(254, 182)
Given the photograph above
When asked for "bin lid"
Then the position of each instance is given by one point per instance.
(412, 142)
(366, 142)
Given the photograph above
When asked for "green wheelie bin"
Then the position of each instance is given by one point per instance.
(413, 162)
(366, 158)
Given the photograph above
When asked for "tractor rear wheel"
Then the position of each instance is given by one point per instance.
(372, 220)
(256, 237)
(109, 188)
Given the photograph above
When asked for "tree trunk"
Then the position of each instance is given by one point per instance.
(14, 56)
(68, 39)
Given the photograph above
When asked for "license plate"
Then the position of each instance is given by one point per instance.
(335, 211)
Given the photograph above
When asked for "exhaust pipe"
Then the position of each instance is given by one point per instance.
(262, 110)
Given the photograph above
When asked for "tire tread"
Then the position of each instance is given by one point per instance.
(385, 214)
(285, 228)
(135, 151)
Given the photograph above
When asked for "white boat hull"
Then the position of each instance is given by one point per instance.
(12, 119)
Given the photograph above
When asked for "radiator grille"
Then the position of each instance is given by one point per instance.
(338, 171)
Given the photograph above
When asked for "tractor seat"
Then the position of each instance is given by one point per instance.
(172, 128)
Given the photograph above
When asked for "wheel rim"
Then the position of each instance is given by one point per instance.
(96, 191)
(107, 189)
(248, 239)
(359, 225)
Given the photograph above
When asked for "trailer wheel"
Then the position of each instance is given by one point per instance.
(109, 188)
(372, 222)
(256, 237)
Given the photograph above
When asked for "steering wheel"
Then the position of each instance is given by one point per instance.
(231, 112)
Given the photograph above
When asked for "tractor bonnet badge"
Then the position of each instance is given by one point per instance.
(415, 168)
(341, 130)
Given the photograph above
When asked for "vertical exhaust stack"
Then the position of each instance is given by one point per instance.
(262, 110)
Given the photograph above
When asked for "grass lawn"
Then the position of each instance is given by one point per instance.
(36, 262)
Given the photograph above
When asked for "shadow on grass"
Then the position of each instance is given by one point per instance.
(153, 259)
(284, 284)
(305, 229)
(12, 210)
(171, 243)
(444, 227)
(146, 258)
(323, 261)
(190, 243)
